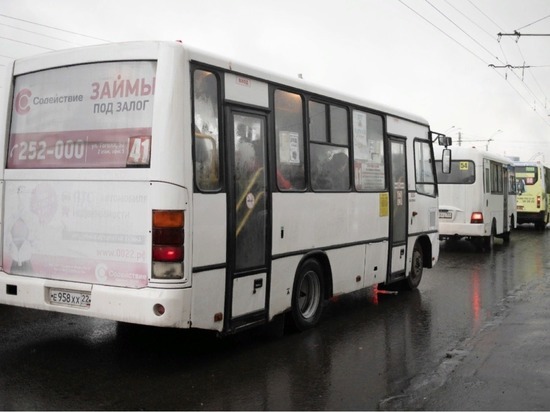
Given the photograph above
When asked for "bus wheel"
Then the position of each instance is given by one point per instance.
(417, 267)
(307, 296)
(489, 241)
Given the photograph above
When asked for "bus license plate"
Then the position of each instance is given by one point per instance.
(70, 298)
(446, 215)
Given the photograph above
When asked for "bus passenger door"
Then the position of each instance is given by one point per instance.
(505, 191)
(399, 206)
(248, 220)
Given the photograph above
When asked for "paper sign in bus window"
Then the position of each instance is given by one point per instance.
(289, 148)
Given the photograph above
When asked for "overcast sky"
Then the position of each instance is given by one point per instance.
(429, 57)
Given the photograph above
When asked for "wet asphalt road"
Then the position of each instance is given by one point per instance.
(368, 348)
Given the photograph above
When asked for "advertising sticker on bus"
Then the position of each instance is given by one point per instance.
(82, 231)
(84, 116)
(87, 116)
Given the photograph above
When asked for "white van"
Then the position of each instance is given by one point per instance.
(477, 199)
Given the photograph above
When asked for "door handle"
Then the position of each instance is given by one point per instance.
(258, 283)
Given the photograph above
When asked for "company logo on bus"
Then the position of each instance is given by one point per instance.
(22, 101)
(101, 272)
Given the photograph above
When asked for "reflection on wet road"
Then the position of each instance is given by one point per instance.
(369, 346)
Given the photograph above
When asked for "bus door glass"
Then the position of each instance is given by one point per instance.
(399, 200)
(248, 213)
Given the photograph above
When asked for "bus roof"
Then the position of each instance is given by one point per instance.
(475, 154)
(158, 49)
(532, 163)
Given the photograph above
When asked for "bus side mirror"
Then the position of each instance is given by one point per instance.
(443, 140)
(446, 161)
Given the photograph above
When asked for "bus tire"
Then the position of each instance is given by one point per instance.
(417, 267)
(506, 235)
(489, 241)
(307, 295)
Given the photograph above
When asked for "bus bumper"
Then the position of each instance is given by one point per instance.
(447, 230)
(531, 217)
(114, 303)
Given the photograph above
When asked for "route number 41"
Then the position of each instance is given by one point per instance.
(139, 151)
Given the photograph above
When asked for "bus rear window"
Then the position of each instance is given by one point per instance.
(87, 116)
(462, 172)
(527, 175)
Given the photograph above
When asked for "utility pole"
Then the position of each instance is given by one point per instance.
(460, 138)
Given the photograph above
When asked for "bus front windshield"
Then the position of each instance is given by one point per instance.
(85, 116)
(462, 172)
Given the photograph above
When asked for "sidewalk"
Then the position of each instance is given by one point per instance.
(506, 366)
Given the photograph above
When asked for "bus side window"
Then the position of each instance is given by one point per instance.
(329, 148)
(206, 138)
(368, 151)
(289, 132)
(487, 175)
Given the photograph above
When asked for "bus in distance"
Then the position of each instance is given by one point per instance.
(477, 199)
(533, 200)
(156, 184)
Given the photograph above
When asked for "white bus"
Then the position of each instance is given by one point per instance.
(533, 188)
(155, 184)
(477, 199)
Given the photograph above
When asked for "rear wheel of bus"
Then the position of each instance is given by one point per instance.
(307, 295)
(506, 236)
(489, 241)
(540, 225)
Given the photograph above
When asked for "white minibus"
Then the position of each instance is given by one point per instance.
(477, 199)
(157, 184)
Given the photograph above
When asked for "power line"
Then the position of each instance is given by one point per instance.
(530, 24)
(482, 12)
(530, 71)
(462, 30)
(39, 34)
(28, 44)
(470, 20)
(53, 28)
(507, 61)
(474, 54)
(528, 89)
(442, 31)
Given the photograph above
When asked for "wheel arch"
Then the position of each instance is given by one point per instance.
(321, 257)
(426, 246)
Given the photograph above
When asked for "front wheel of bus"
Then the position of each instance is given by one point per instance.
(307, 296)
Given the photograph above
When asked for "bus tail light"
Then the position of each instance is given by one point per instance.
(168, 244)
(538, 202)
(477, 217)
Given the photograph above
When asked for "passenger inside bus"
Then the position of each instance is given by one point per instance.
(339, 171)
